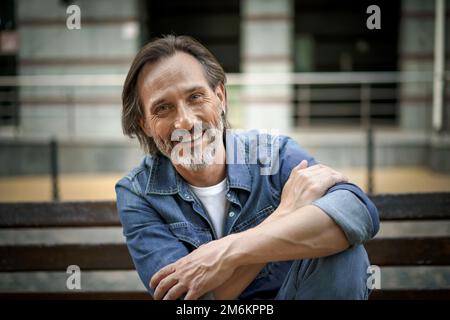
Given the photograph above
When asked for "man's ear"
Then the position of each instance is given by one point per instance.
(222, 95)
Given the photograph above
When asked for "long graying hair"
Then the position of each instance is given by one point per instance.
(167, 46)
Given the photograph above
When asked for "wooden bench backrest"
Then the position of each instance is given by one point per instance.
(401, 251)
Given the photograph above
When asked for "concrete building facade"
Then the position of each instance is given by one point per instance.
(86, 119)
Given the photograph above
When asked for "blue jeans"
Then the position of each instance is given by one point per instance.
(340, 276)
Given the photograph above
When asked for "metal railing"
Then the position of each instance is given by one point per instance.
(340, 95)
(358, 91)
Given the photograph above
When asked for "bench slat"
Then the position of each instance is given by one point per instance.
(383, 252)
(413, 206)
(408, 294)
(420, 206)
(426, 251)
(76, 295)
(59, 257)
(59, 214)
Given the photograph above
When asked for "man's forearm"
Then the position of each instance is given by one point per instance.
(243, 275)
(240, 280)
(312, 243)
(307, 232)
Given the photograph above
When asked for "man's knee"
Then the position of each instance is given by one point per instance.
(340, 276)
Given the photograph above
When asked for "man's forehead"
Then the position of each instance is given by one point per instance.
(181, 68)
(176, 67)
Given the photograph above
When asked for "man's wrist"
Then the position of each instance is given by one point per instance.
(280, 212)
(237, 254)
(234, 254)
(240, 245)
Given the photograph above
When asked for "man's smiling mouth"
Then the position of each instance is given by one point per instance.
(190, 138)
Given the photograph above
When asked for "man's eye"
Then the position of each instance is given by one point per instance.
(196, 96)
(163, 107)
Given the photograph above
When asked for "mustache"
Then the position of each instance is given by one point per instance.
(197, 130)
(165, 145)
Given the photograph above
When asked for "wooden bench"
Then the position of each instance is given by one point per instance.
(417, 251)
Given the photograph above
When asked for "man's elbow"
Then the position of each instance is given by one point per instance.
(350, 214)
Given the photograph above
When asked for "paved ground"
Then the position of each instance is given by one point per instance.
(101, 187)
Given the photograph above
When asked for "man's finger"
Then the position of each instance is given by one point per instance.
(303, 165)
(192, 295)
(175, 292)
(165, 285)
(340, 177)
(307, 170)
(161, 274)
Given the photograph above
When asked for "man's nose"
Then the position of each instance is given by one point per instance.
(184, 118)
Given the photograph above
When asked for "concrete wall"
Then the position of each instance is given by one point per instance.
(106, 43)
(336, 149)
(267, 41)
(416, 53)
(33, 157)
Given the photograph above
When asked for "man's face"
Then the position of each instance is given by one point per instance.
(178, 101)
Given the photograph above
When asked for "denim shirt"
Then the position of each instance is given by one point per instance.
(163, 220)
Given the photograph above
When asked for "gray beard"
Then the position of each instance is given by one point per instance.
(195, 161)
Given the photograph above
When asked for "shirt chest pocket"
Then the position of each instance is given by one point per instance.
(191, 235)
(254, 219)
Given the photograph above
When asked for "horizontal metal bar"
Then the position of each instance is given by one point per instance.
(306, 78)
(334, 94)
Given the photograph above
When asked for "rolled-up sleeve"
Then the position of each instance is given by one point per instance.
(349, 213)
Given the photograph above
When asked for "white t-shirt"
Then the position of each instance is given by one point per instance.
(215, 203)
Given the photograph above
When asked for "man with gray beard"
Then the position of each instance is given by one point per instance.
(202, 216)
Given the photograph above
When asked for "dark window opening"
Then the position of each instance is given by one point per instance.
(216, 24)
(8, 65)
(332, 36)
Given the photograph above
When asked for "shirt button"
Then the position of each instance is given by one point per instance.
(231, 214)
